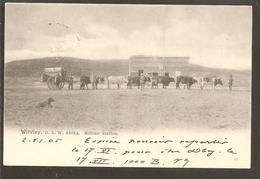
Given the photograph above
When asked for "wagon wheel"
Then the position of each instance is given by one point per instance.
(60, 85)
(51, 83)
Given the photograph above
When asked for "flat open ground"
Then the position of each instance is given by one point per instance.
(124, 109)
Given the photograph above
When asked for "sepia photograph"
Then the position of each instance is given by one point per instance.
(128, 70)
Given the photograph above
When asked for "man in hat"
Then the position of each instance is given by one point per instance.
(70, 82)
(230, 82)
(142, 81)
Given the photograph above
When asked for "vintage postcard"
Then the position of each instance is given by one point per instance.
(110, 85)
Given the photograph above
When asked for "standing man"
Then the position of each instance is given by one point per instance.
(97, 78)
(70, 81)
(230, 82)
(93, 80)
(129, 82)
(142, 81)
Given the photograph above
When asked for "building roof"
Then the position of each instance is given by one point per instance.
(152, 59)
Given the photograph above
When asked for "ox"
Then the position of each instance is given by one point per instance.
(155, 82)
(118, 80)
(143, 79)
(166, 80)
(207, 80)
(96, 80)
(186, 80)
(133, 80)
(84, 81)
(138, 81)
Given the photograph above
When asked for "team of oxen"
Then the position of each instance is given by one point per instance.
(144, 80)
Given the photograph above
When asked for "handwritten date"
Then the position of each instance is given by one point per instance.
(41, 140)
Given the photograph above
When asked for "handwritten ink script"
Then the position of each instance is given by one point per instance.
(111, 149)
(147, 151)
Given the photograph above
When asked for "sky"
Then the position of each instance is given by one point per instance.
(212, 36)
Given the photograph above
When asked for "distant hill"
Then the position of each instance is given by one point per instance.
(34, 68)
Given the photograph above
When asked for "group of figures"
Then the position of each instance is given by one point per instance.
(141, 81)
(130, 81)
(203, 81)
(57, 77)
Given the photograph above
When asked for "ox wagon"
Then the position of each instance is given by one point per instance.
(54, 77)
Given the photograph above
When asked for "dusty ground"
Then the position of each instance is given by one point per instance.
(126, 109)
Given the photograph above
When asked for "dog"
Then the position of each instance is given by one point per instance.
(46, 103)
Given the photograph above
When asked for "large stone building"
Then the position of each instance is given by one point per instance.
(157, 65)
